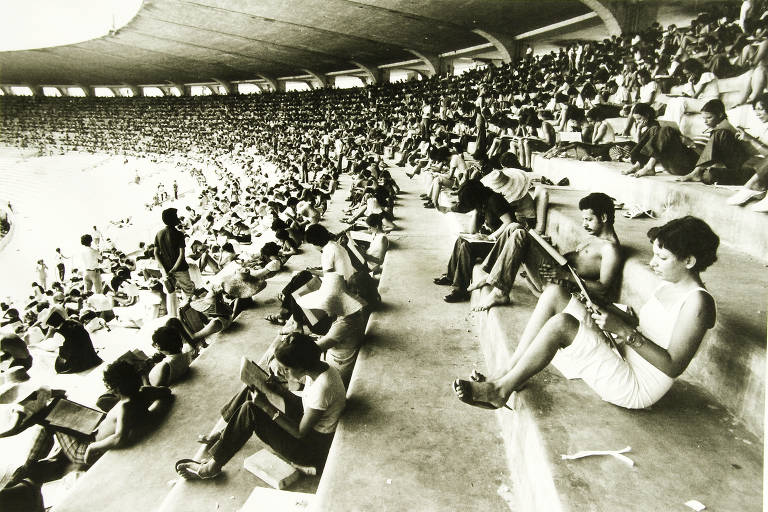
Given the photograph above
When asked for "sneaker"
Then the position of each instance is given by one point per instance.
(742, 196)
(761, 206)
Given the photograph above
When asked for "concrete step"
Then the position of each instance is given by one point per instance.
(687, 446)
(739, 227)
(730, 363)
(405, 442)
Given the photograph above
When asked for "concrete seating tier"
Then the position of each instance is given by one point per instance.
(730, 364)
(687, 446)
(737, 227)
(405, 442)
(142, 477)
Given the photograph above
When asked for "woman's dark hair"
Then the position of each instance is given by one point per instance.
(167, 339)
(600, 204)
(688, 236)
(298, 350)
(316, 234)
(228, 247)
(86, 240)
(270, 249)
(715, 107)
(373, 220)
(644, 110)
(123, 378)
(596, 114)
(693, 66)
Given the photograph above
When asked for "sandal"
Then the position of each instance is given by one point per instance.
(274, 319)
(463, 385)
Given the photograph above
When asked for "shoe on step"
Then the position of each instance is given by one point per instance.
(457, 296)
(743, 196)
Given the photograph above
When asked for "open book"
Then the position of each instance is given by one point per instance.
(476, 238)
(554, 256)
(73, 418)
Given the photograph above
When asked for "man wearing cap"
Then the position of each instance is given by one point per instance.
(169, 253)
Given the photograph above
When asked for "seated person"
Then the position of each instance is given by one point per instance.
(597, 261)
(722, 159)
(169, 341)
(76, 353)
(492, 213)
(137, 407)
(379, 245)
(672, 324)
(334, 256)
(658, 144)
(756, 186)
(348, 317)
(302, 441)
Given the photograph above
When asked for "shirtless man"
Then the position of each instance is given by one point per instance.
(597, 260)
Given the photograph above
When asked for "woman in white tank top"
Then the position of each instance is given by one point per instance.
(672, 324)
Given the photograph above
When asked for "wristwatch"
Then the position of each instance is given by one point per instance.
(634, 339)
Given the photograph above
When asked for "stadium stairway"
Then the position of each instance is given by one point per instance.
(702, 441)
(405, 442)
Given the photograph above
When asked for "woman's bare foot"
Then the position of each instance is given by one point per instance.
(477, 285)
(479, 394)
(495, 297)
(631, 170)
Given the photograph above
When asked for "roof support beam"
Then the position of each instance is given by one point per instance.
(135, 90)
(86, 89)
(432, 62)
(504, 44)
(373, 73)
(608, 13)
(226, 85)
(318, 77)
(273, 82)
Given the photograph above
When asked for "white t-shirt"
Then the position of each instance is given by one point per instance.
(326, 394)
(88, 259)
(336, 259)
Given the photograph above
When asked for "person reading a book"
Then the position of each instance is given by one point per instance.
(670, 328)
(301, 432)
(597, 260)
(169, 341)
(492, 214)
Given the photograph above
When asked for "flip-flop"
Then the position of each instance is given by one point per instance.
(274, 319)
(467, 398)
(185, 473)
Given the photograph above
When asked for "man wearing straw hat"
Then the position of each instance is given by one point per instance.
(342, 340)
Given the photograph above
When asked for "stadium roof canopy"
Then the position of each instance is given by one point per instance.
(194, 41)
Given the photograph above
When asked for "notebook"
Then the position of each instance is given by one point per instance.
(71, 417)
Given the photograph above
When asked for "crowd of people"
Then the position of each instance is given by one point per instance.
(267, 166)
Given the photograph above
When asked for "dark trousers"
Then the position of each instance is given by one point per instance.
(245, 418)
(463, 259)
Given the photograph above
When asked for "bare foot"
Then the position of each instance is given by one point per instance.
(495, 297)
(477, 284)
(645, 172)
(689, 178)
